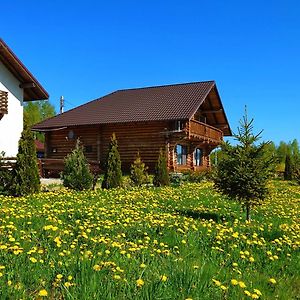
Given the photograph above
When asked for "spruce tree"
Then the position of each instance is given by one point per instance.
(26, 178)
(76, 174)
(113, 171)
(288, 167)
(244, 171)
(138, 171)
(161, 176)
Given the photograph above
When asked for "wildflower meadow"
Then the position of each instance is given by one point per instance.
(185, 242)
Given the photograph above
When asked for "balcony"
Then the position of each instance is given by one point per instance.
(205, 132)
(3, 102)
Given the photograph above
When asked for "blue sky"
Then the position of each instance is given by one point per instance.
(86, 49)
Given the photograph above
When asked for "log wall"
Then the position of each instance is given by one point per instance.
(147, 138)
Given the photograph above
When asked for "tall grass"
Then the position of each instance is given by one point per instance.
(149, 243)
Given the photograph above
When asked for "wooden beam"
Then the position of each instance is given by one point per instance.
(27, 85)
(212, 111)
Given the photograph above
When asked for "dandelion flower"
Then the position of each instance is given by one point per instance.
(272, 280)
(43, 293)
(140, 282)
(234, 282)
(163, 278)
(242, 284)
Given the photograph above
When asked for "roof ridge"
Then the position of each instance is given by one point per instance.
(165, 85)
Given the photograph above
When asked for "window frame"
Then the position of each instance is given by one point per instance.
(181, 154)
(198, 158)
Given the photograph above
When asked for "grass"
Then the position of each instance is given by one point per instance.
(182, 242)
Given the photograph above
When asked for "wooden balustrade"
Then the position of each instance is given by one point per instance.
(202, 130)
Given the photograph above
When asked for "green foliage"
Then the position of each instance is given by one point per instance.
(245, 168)
(138, 172)
(161, 176)
(5, 177)
(76, 174)
(297, 175)
(113, 171)
(37, 111)
(26, 178)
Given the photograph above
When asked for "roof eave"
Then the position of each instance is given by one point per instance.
(34, 90)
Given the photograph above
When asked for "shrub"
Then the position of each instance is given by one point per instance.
(176, 178)
(197, 176)
(26, 178)
(138, 172)
(5, 178)
(76, 174)
(161, 176)
(113, 171)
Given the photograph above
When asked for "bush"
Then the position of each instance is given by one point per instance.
(5, 178)
(76, 174)
(176, 178)
(26, 179)
(161, 176)
(197, 176)
(138, 172)
(113, 171)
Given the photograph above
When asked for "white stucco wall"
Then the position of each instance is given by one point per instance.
(11, 125)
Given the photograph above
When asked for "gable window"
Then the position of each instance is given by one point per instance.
(198, 154)
(181, 152)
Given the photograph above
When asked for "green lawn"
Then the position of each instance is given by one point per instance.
(172, 243)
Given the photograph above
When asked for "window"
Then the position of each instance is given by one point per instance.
(88, 148)
(178, 125)
(198, 153)
(181, 152)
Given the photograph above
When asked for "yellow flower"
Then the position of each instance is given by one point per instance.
(217, 282)
(43, 293)
(140, 282)
(254, 296)
(234, 282)
(32, 259)
(242, 284)
(96, 268)
(59, 276)
(163, 278)
(142, 266)
(247, 293)
(272, 280)
(223, 287)
(258, 292)
(117, 277)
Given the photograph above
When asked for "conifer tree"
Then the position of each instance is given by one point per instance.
(26, 178)
(113, 171)
(288, 168)
(244, 171)
(161, 176)
(76, 174)
(138, 171)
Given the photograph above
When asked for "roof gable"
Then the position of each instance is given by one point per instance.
(169, 102)
(33, 90)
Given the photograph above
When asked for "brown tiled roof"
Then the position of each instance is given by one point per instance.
(169, 102)
(16, 67)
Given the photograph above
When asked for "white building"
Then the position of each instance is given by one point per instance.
(17, 85)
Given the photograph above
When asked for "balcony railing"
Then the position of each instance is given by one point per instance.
(202, 130)
(3, 102)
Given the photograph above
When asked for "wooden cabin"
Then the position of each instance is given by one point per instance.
(187, 120)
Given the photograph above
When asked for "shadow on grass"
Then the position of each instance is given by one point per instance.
(205, 215)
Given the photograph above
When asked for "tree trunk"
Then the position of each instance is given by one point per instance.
(248, 217)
